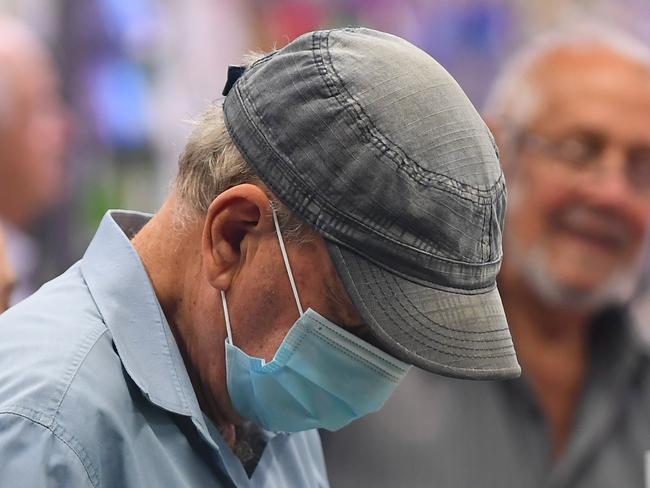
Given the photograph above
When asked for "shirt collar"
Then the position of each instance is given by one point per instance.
(127, 302)
(125, 297)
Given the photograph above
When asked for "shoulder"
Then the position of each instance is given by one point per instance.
(46, 342)
(62, 384)
(36, 454)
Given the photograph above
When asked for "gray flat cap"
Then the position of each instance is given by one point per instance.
(373, 143)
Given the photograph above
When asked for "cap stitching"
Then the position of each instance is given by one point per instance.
(400, 351)
(429, 341)
(315, 196)
(415, 279)
(451, 329)
(357, 107)
(464, 341)
(309, 194)
(316, 219)
(366, 131)
(350, 103)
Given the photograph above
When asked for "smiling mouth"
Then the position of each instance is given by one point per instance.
(600, 231)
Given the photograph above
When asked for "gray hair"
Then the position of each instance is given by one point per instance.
(514, 97)
(210, 164)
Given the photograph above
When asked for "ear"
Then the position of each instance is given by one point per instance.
(237, 219)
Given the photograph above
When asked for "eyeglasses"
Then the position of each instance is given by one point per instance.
(583, 153)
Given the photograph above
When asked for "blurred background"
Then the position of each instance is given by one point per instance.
(133, 73)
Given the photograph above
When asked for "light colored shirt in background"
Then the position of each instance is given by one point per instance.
(94, 391)
(23, 255)
(7, 275)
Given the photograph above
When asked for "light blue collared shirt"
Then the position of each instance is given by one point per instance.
(94, 391)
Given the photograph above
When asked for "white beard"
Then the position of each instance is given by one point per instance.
(618, 289)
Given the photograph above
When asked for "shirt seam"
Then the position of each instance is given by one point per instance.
(58, 432)
(76, 370)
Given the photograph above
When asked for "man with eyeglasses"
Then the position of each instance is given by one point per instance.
(571, 115)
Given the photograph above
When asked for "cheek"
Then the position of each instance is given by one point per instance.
(638, 216)
(26, 165)
(319, 286)
(531, 205)
(262, 309)
(45, 146)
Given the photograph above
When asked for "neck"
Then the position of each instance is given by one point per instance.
(552, 346)
(172, 261)
(156, 251)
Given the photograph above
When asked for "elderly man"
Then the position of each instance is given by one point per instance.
(32, 143)
(571, 114)
(338, 219)
(7, 276)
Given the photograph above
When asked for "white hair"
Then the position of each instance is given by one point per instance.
(514, 97)
(210, 163)
(618, 289)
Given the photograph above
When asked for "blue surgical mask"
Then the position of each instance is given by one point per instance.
(320, 377)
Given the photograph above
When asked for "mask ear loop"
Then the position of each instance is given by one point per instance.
(286, 261)
(226, 317)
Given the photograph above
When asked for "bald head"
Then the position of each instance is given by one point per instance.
(32, 126)
(565, 80)
(555, 60)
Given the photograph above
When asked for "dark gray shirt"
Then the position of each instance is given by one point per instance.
(445, 433)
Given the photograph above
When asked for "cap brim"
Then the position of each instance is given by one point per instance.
(452, 334)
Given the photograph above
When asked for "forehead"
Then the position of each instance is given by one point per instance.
(593, 88)
(29, 67)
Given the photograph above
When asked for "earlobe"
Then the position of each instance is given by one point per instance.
(234, 220)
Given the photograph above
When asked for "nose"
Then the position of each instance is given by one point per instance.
(610, 183)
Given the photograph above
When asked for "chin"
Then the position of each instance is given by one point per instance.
(616, 289)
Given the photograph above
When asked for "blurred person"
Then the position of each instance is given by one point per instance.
(32, 144)
(327, 229)
(7, 277)
(571, 114)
